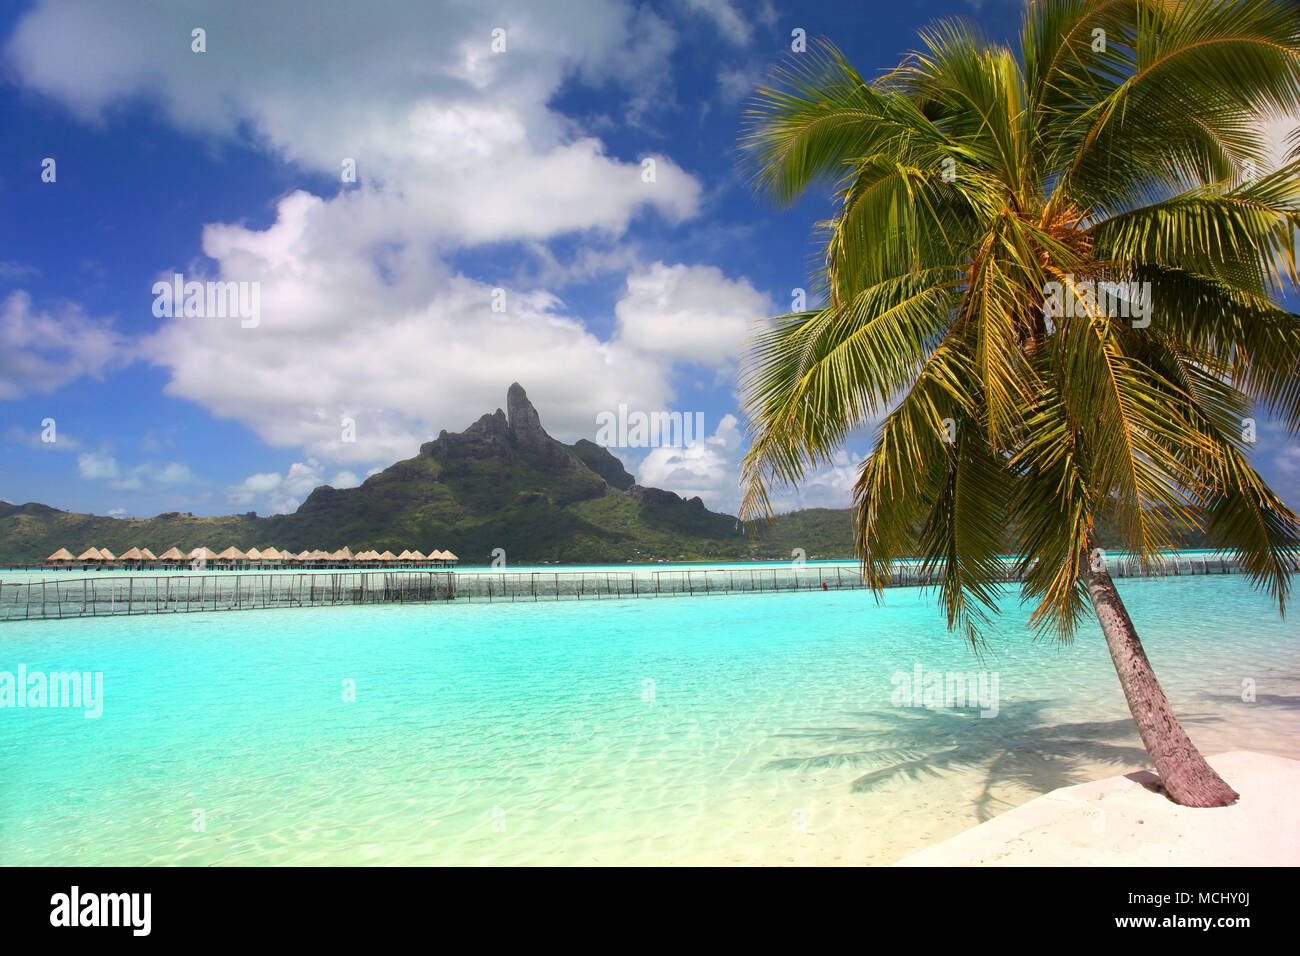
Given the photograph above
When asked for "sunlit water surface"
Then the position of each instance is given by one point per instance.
(757, 728)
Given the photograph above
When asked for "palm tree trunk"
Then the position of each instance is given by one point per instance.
(1186, 777)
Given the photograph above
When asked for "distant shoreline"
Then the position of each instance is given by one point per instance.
(693, 563)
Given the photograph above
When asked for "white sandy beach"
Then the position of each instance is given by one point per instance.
(1119, 821)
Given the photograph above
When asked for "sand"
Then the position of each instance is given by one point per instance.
(1119, 821)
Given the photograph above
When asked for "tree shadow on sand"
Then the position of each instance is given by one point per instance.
(1265, 700)
(1016, 747)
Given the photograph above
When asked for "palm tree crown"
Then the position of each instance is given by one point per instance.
(1055, 274)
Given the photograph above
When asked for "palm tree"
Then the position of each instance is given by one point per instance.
(982, 198)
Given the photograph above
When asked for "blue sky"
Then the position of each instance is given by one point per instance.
(477, 171)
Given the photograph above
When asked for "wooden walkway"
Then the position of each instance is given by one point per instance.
(116, 595)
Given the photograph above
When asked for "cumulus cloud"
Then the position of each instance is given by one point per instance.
(368, 340)
(95, 466)
(689, 313)
(736, 83)
(733, 24)
(17, 271)
(102, 466)
(1282, 469)
(361, 318)
(33, 438)
(459, 143)
(706, 469)
(828, 486)
(710, 469)
(274, 493)
(43, 350)
(399, 347)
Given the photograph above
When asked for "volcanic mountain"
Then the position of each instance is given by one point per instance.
(502, 483)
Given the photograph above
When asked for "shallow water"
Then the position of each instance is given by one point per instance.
(693, 730)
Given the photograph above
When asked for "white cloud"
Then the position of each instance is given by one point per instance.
(689, 313)
(706, 469)
(101, 466)
(94, 466)
(401, 346)
(41, 351)
(457, 143)
(17, 271)
(711, 470)
(1288, 461)
(31, 438)
(1277, 132)
(737, 83)
(262, 482)
(452, 150)
(828, 486)
(274, 493)
(731, 22)
(173, 473)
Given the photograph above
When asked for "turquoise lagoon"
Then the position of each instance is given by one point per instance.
(726, 729)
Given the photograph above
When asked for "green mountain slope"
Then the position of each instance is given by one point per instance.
(502, 483)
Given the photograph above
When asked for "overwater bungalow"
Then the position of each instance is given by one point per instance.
(232, 558)
(63, 558)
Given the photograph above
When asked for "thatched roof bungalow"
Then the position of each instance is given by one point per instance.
(60, 559)
(232, 557)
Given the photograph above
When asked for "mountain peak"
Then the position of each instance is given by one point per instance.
(525, 423)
